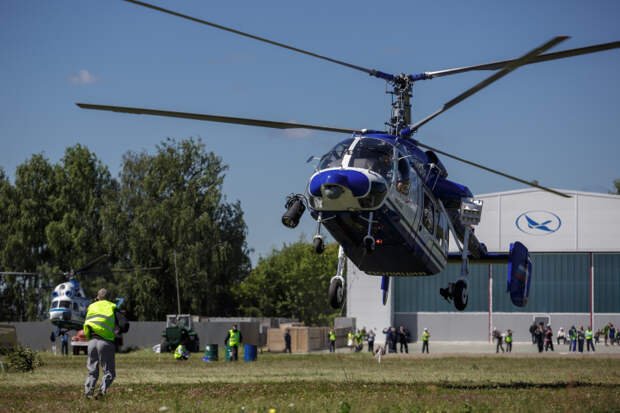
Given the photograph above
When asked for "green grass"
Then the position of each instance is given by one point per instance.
(324, 383)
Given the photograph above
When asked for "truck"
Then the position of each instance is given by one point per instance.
(179, 328)
(80, 343)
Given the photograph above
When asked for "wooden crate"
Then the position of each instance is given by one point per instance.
(305, 339)
(275, 340)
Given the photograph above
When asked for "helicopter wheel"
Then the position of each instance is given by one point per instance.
(335, 294)
(460, 295)
(318, 245)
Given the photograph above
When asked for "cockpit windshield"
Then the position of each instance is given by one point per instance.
(373, 154)
(333, 158)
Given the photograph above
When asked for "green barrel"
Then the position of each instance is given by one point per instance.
(228, 353)
(211, 352)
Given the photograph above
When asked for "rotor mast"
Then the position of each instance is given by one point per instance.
(401, 107)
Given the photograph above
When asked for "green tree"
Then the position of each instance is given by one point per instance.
(172, 203)
(26, 213)
(52, 222)
(291, 282)
(616, 187)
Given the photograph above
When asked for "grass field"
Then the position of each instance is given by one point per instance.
(325, 383)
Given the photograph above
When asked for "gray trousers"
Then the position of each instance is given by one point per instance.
(100, 351)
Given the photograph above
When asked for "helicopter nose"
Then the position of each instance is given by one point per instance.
(325, 182)
(332, 191)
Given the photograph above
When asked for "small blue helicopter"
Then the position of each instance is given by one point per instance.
(384, 196)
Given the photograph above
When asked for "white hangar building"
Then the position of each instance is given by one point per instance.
(574, 244)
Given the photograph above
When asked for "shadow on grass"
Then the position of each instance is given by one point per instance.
(523, 385)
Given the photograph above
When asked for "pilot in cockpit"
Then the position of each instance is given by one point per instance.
(403, 183)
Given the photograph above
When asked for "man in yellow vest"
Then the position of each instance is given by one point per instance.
(589, 336)
(181, 352)
(234, 339)
(425, 337)
(509, 341)
(350, 337)
(99, 330)
(332, 340)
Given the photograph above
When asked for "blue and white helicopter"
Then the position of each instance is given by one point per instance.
(384, 196)
(69, 303)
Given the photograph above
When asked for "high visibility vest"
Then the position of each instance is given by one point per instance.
(425, 336)
(573, 334)
(180, 352)
(588, 334)
(508, 339)
(235, 338)
(100, 320)
(332, 336)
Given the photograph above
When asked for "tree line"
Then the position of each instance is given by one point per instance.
(166, 210)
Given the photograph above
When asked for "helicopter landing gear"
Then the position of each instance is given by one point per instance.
(385, 288)
(458, 292)
(318, 242)
(369, 242)
(470, 213)
(336, 292)
(318, 245)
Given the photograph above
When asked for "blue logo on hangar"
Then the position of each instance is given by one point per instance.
(538, 222)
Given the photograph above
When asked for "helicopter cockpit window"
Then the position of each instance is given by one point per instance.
(65, 304)
(373, 154)
(54, 304)
(333, 158)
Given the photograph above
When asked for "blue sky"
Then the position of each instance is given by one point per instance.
(557, 122)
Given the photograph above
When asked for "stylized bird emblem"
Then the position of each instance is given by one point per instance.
(535, 225)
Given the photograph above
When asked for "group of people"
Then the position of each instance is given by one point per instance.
(395, 340)
(394, 337)
(500, 338)
(575, 337)
(355, 340)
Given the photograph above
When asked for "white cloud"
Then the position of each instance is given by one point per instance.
(83, 77)
(297, 133)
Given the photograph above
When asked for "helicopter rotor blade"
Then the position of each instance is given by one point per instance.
(136, 269)
(538, 59)
(215, 118)
(92, 263)
(371, 72)
(494, 171)
(486, 82)
(19, 273)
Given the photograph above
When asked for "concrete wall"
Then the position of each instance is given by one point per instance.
(141, 334)
(453, 326)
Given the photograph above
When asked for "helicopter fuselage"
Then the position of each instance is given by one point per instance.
(385, 187)
(69, 306)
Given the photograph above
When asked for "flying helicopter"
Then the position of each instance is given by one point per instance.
(383, 195)
(69, 302)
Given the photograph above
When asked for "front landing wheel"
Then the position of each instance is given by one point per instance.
(460, 295)
(318, 245)
(335, 294)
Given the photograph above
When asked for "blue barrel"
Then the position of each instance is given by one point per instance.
(249, 352)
